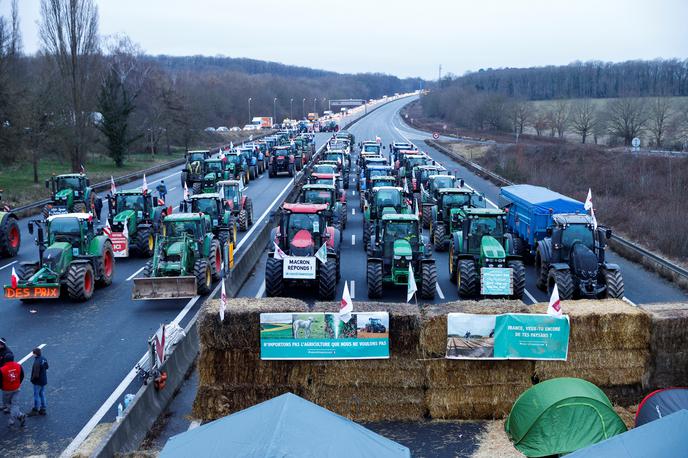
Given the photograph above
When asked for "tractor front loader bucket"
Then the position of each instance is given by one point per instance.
(163, 288)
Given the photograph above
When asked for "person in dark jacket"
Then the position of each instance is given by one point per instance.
(39, 379)
(11, 378)
(5, 352)
(162, 190)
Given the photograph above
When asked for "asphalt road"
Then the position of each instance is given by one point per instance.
(642, 286)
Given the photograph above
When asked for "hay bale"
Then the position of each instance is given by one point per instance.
(394, 372)
(213, 402)
(668, 344)
(229, 367)
(404, 323)
(627, 415)
(473, 402)
(433, 333)
(600, 367)
(625, 395)
(609, 324)
(456, 374)
(241, 327)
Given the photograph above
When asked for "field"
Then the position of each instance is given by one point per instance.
(276, 331)
(473, 347)
(317, 328)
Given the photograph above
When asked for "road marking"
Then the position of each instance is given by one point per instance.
(25, 358)
(530, 296)
(352, 289)
(135, 273)
(165, 178)
(172, 189)
(194, 424)
(353, 239)
(7, 265)
(439, 291)
(353, 192)
(178, 319)
(261, 290)
(353, 211)
(261, 177)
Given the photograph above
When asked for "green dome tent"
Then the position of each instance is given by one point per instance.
(560, 416)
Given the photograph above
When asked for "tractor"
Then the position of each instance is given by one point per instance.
(371, 146)
(71, 193)
(374, 325)
(187, 258)
(407, 164)
(397, 147)
(370, 172)
(142, 214)
(446, 215)
(421, 174)
(252, 163)
(429, 194)
(192, 174)
(572, 257)
(301, 233)
(326, 194)
(214, 170)
(383, 200)
(74, 259)
(10, 235)
(281, 161)
(257, 152)
(481, 259)
(240, 205)
(397, 243)
(237, 166)
(343, 163)
(222, 221)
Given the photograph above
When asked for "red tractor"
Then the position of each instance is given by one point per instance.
(301, 233)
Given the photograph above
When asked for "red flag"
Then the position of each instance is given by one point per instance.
(113, 188)
(346, 306)
(223, 302)
(15, 278)
(107, 230)
(160, 346)
(186, 192)
(554, 307)
(144, 187)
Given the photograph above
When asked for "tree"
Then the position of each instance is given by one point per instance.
(540, 121)
(626, 118)
(660, 114)
(521, 115)
(583, 115)
(68, 31)
(559, 116)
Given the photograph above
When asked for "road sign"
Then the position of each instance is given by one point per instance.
(435, 135)
(635, 142)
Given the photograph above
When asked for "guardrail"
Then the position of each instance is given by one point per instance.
(625, 248)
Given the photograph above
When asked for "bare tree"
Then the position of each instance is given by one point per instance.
(69, 34)
(540, 121)
(583, 116)
(626, 118)
(559, 117)
(660, 113)
(521, 115)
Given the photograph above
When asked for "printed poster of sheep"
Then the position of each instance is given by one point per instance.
(470, 336)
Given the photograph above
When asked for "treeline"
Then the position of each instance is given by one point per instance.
(83, 92)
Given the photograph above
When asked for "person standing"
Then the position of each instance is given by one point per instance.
(11, 378)
(39, 379)
(5, 351)
(162, 190)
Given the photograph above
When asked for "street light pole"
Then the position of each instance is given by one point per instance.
(249, 110)
(274, 110)
(291, 108)
(314, 100)
(304, 108)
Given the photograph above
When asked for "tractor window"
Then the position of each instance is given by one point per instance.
(317, 197)
(371, 149)
(65, 230)
(231, 192)
(207, 206)
(333, 157)
(383, 183)
(234, 159)
(196, 157)
(388, 198)
(414, 161)
(73, 183)
(302, 221)
(440, 183)
(455, 200)
(401, 230)
(577, 233)
(488, 225)
(378, 173)
(215, 166)
(129, 202)
(178, 228)
(324, 169)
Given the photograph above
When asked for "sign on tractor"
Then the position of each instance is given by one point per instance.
(32, 292)
(299, 267)
(496, 281)
(120, 244)
(435, 135)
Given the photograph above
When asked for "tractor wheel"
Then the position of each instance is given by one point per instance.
(519, 246)
(428, 283)
(564, 282)
(271, 172)
(327, 280)
(10, 237)
(107, 265)
(346, 182)
(467, 279)
(343, 217)
(145, 242)
(223, 238)
(26, 271)
(367, 232)
(215, 260)
(374, 280)
(249, 210)
(80, 282)
(615, 284)
(204, 276)
(148, 269)
(80, 207)
(440, 239)
(274, 283)
(453, 264)
(339, 268)
(542, 271)
(183, 177)
(519, 273)
(196, 188)
(427, 216)
(243, 220)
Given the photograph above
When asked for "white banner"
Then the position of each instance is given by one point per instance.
(120, 245)
(299, 268)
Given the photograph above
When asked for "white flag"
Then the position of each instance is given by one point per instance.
(160, 347)
(231, 146)
(588, 200)
(107, 230)
(412, 288)
(416, 205)
(406, 189)
(346, 306)
(321, 254)
(594, 220)
(113, 188)
(14, 278)
(186, 192)
(126, 230)
(144, 187)
(554, 307)
(223, 302)
(279, 254)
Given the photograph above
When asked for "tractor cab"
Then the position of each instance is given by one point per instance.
(318, 194)
(214, 171)
(66, 190)
(422, 174)
(75, 229)
(303, 228)
(387, 200)
(324, 168)
(132, 206)
(440, 181)
(371, 147)
(380, 181)
(184, 228)
(210, 204)
(409, 161)
(372, 171)
(483, 233)
(231, 191)
(195, 160)
(397, 147)
(574, 232)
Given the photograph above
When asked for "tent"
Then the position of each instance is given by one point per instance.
(285, 426)
(662, 438)
(661, 403)
(560, 416)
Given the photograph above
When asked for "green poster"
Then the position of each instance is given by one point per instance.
(530, 336)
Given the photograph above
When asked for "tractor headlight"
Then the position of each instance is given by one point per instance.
(397, 257)
(408, 258)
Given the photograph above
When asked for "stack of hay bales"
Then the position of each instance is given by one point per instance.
(608, 346)
(668, 345)
(379, 389)
(469, 389)
(232, 376)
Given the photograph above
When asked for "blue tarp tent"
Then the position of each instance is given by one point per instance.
(660, 438)
(285, 426)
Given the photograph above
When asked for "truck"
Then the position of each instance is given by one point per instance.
(565, 244)
(265, 122)
(312, 116)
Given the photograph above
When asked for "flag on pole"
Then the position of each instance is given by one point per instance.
(222, 191)
(416, 207)
(406, 189)
(107, 230)
(223, 302)
(554, 307)
(378, 140)
(321, 254)
(144, 186)
(231, 146)
(588, 200)
(346, 306)
(412, 288)
(160, 347)
(186, 192)
(279, 254)
(15, 278)
(594, 220)
(125, 232)
(83, 170)
(113, 188)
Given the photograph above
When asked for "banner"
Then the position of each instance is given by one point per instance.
(299, 267)
(496, 281)
(305, 336)
(508, 336)
(120, 244)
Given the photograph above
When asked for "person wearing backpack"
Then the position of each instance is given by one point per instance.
(39, 379)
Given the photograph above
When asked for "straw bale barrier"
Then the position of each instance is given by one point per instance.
(213, 402)
(668, 345)
(473, 402)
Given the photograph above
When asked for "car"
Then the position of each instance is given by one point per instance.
(251, 127)
(235, 129)
(209, 129)
(222, 129)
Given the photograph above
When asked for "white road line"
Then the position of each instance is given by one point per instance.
(353, 239)
(353, 211)
(7, 265)
(261, 290)
(178, 319)
(439, 291)
(194, 424)
(165, 178)
(530, 296)
(26, 358)
(261, 177)
(352, 289)
(172, 189)
(135, 273)
(353, 192)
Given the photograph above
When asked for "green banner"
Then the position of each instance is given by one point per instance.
(302, 336)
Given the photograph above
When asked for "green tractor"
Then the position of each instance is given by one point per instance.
(480, 256)
(429, 194)
(71, 193)
(192, 174)
(237, 166)
(215, 170)
(142, 213)
(396, 244)
(188, 257)
(240, 205)
(447, 213)
(10, 235)
(222, 222)
(74, 259)
(326, 194)
(384, 200)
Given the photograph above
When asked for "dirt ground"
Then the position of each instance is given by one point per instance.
(372, 335)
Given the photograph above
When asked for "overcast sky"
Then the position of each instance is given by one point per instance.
(400, 37)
